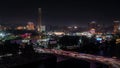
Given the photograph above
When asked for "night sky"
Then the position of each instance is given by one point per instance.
(60, 12)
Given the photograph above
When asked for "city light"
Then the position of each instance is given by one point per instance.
(59, 33)
(2, 34)
(75, 27)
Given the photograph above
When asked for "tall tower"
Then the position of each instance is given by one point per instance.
(39, 19)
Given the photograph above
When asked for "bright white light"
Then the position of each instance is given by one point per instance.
(2, 35)
(75, 27)
(119, 27)
(59, 33)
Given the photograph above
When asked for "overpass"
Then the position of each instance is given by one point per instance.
(111, 62)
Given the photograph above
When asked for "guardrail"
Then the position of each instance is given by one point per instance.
(111, 62)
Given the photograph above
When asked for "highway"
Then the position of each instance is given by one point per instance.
(111, 62)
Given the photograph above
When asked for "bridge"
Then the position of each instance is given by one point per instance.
(111, 62)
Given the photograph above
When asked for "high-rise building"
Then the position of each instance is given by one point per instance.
(43, 28)
(116, 26)
(92, 25)
(30, 26)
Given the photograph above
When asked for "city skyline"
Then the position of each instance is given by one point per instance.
(61, 12)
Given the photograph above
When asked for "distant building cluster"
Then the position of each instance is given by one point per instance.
(97, 28)
(2, 27)
(29, 26)
(92, 27)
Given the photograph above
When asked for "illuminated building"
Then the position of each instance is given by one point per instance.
(92, 31)
(43, 28)
(116, 26)
(3, 27)
(92, 25)
(20, 28)
(30, 26)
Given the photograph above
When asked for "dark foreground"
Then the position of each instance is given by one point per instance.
(35, 61)
(75, 63)
(44, 61)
